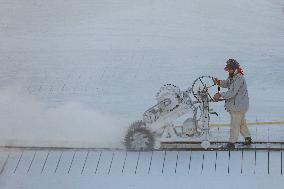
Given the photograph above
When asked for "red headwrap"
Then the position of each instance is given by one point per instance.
(240, 70)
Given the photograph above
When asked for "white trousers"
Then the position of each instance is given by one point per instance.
(238, 125)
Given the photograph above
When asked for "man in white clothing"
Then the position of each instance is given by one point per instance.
(236, 102)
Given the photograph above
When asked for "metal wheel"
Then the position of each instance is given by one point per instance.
(203, 84)
(139, 138)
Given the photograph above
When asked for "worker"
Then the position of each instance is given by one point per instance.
(236, 102)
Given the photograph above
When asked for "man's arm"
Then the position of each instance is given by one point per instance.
(233, 90)
(224, 83)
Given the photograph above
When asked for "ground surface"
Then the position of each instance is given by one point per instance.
(36, 168)
(80, 73)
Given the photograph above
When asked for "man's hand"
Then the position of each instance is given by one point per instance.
(216, 97)
(216, 81)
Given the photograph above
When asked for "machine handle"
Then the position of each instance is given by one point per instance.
(219, 89)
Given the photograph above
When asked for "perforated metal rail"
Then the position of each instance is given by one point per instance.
(45, 162)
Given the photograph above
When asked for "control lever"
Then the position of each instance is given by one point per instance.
(219, 89)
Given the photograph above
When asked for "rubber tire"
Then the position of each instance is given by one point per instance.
(139, 127)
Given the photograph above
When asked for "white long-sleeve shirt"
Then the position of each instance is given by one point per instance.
(237, 98)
